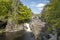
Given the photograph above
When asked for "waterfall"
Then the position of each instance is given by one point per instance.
(27, 27)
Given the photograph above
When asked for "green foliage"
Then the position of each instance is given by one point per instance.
(6, 10)
(51, 14)
(23, 13)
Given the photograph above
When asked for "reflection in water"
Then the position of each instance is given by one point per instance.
(2, 36)
(14, 36)
(26, 36)
(19, 38)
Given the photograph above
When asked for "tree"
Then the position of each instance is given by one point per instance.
(24, 13)
(4, 9)
(14, 11)
(51, 15)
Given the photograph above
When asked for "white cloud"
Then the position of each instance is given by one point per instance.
(40, 6)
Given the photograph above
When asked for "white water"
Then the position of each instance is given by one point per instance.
(27, 27)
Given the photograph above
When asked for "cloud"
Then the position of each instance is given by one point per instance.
(40, 6)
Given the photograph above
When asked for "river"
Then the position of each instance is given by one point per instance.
(14, 36)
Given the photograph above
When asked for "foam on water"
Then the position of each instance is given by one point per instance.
(27, 27)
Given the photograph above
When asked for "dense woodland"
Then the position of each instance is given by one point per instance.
(21, 11)
(51, 15)
(14, 11)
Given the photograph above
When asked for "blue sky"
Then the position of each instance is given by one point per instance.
(35, 5)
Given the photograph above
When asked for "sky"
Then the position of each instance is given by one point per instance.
(35, 5)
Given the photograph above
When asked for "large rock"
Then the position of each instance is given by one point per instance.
(36, 26)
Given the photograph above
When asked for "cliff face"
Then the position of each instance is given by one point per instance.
(36, 26)
(12, 28)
